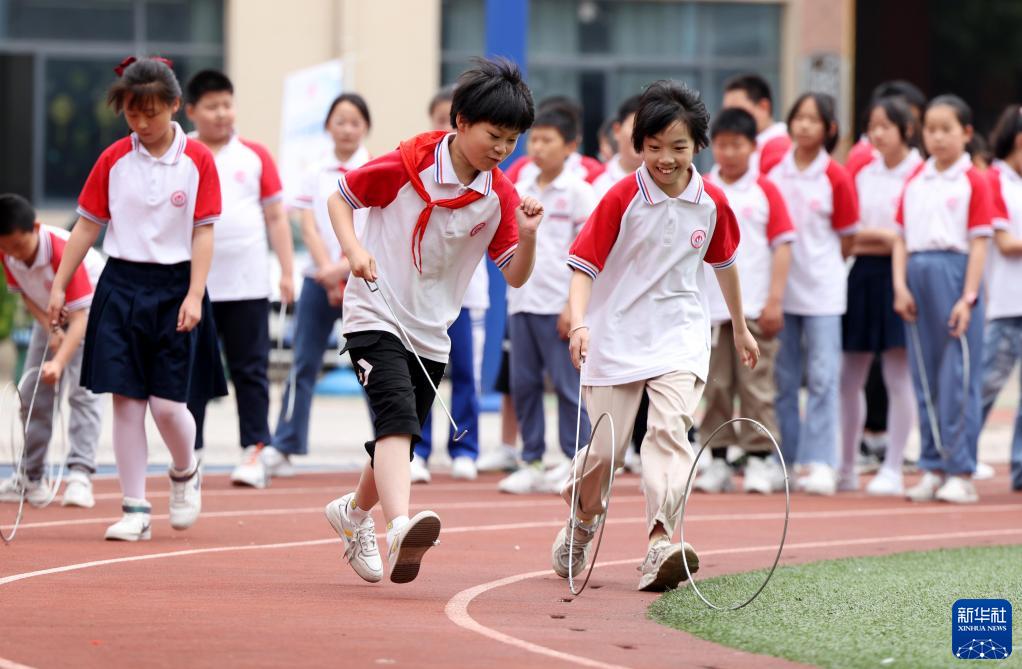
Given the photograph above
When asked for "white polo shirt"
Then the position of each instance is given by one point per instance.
(248, 182)
(35, 281)
(586, 168)
(765, 225)
(943, 211)
(648, 314)
(878, 189)
(150, 205)
(771, 145)
(454, 242)
(821, 203)
(318, 184)
(611, 175)
(567, 203)
(1004, 273)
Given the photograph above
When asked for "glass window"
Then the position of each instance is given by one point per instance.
(85, 20)
(185, 21)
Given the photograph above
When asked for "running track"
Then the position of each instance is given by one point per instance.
(260, 581)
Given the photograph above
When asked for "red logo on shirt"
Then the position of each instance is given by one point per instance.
(562, 203)
(952, 202)
(239, 176)
(698, 238)
(178, 198)
(476, 230)
(814, 205)
(747, 213)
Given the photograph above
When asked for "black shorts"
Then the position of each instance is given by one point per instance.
(399, 394)
(502, 384)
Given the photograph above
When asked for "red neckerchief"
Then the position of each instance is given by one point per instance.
(412, 153)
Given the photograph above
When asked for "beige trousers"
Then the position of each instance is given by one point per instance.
(666, 453)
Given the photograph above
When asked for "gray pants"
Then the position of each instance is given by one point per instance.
(83, 424)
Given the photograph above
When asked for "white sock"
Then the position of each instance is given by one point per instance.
(356, 514)
(393, 527)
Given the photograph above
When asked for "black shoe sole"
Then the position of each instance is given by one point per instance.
(417, 540)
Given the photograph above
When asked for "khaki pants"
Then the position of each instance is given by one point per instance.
(754, 388)
(666, 453)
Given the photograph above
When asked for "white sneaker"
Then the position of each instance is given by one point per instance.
(420, 472)
(848, 481)
(463, 468)
(716, 478)
(35, 493)
(410, 543)
(984, 472)
(664, 566)
(821, 480)
(134, 525)
(185, 497)
(277, 464)
(561, 553)
(886, 484)
(78, 491)
(527, 479)
(957, 490)
(504, 459)
(926, 489)
(763, 475)
(633, 463)
(250, 471)
(360, 549)
(556, 478)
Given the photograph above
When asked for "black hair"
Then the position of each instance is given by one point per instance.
(564, 102)
(826, 108)
(606, 133)
(627, 108)
(978, 148)
(207, 81)
(561, 120)
(356, 101)
(1008, 128)
(493, 91)
(898, 112)
(961, 109)
(16, 214)
(445, 94)
(146, 81)
(899, 88)
(755, 86)
(734, 120)
(664, 102)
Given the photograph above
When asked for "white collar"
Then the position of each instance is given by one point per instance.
(172, 154)
(443, 169)
(960, 167)
(743, 183)
(654, 195)
(774, 131)
(815, 168)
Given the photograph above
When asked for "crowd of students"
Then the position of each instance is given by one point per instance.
(635, 284)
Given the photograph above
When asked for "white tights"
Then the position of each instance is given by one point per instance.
(176, 426)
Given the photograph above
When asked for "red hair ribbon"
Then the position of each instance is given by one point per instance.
(119, 70)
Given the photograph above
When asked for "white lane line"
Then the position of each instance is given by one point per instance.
(457, 606)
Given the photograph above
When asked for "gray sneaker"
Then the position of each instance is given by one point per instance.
(559, 554)
(664, 566)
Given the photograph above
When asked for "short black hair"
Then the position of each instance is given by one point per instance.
(16, 214)
(897, 110)
(493, 91)
(899, 88)
(827, 109)
(142, 84)
(1009, 126)
(606, 133)
(664, 102)
(207, 81)
(561, 120)
(627, 108)
(734, 120)
(356, 101)
(565, 102)
(445, 94)
(755, 86)
(962, 110)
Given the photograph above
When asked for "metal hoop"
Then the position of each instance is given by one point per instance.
(604, 498)
(787, 513)
(17, 458)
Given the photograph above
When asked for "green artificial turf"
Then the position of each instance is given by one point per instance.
(889, 611)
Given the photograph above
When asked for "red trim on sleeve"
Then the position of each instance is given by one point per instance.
(12, 283)
(207, 193)
(94, 200)
(981, 205)
(269, 179)
(591, 248)
(723, 246)
(505, 240)
(377, 183)
(772, 152)
(846, 206)
(860, 155)
(899, 215)
(1000, 207)
(80, 286)
(778, 220)
(593, 167)
(515, 170)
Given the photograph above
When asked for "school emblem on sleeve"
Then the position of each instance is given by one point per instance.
(698, 238)
(178, 198)
(476, 230)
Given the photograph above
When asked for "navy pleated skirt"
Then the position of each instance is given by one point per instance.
(870, 324)
(132, 346)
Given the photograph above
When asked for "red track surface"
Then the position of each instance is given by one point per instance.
(260, 581)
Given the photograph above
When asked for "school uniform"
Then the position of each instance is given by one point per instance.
(649, 326)
(239, 283)
(150, 206)
(428, 233)
(822, 205)
(772, 144)
(939, 214)
(612, 173)
(534, 309)
(314, 315)
(34, 282)
(1002, 341)
(583, 166)
(765, 226)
